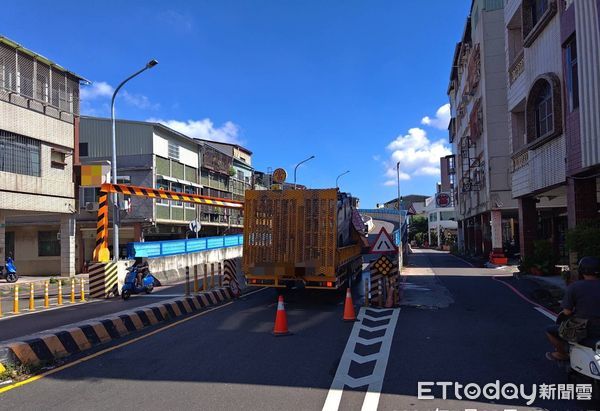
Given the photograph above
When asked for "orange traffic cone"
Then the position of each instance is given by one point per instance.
(281, 327)
(349, 314)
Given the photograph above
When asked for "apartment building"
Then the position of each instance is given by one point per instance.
(39, 115)
(536, 101)
(239, 174)
(479, 169)
(580, 41)
(154, 155)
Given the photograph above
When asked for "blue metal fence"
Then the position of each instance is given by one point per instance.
(173, 247)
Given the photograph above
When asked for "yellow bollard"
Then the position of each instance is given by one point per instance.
(46, 295)
(16, 300)
(195, 279)
(212, 275)
(82, 299)
(59, 298)
(205, 282)
(72, 290)
(31, 297)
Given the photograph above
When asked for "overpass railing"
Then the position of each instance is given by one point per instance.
(174, 247)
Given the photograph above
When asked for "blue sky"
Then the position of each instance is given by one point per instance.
(359, 84)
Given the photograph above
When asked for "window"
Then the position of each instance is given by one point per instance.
(178, 188)
(173, 151)
(88, 195)
(572, 78)
(48, 244)
(543, 112)
(538, 8)
(83, 149)
(240, 175)
(58, 158)
(189, 190)
(162, 185)
(19, 154)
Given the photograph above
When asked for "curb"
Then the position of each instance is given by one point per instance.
(37, 349)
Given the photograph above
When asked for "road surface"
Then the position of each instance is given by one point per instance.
(458, 325)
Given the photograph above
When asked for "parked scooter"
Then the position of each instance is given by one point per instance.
(132, 281)
(583, 366)
(9, 271)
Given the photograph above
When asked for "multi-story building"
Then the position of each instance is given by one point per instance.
(149, 155)
(39, 115)
(478, 133)
(154, 155)
(239, 173)
(580, 40)
(536, 104)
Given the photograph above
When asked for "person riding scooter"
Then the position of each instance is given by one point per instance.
(582, 301)
(142, 270)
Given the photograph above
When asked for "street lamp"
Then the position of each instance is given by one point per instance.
(338, 177)
(148, 65)
(399, 216)
(296, 168)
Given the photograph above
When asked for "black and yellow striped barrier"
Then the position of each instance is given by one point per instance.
(103, 279)
(59, 343)
(101, 253)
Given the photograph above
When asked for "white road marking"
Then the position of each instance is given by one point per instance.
(546, 313)
(375, 380)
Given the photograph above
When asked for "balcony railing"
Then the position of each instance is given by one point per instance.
(520, 160)
(516, 68)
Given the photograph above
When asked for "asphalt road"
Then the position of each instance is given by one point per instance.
(459, 325)
(28, 323)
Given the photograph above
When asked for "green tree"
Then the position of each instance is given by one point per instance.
(418, 224)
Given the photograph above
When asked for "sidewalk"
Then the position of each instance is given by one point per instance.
(17, 326)
(7, 293)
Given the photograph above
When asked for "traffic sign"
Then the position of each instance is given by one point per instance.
(384, 244)
(194, 226)
(279, 175)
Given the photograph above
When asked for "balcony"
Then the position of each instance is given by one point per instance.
(516, 68)
(538, 168)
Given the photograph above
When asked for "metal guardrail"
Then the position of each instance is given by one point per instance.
(174, 247)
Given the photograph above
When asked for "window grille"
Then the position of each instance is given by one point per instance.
(19, 154)
(173, 151)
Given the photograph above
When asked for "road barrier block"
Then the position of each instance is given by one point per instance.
(54, 344)
(102, 279)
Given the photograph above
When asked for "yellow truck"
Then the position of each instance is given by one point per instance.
(310, 238)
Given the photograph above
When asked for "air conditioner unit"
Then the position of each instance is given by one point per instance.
(91, 206)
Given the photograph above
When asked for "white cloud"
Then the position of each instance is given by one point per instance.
(441, 120)
(417, 154)
(139, 101)
(95, 99)
(204, 129)
(96, 90)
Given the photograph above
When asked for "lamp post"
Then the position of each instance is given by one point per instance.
(399, 216)
(338, 177)
(296, 168)
(148, 65)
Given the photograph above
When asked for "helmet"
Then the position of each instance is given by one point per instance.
(589, 266)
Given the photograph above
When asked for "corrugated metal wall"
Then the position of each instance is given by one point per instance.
(132, 138)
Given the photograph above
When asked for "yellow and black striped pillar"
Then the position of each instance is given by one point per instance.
(101, 252)
(102, 279)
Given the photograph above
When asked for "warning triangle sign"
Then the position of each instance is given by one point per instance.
(384, 244)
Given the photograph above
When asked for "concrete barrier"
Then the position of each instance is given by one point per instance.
(171, 269)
